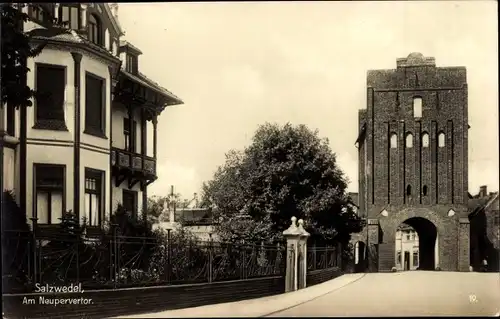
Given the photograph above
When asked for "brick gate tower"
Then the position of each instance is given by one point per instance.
(413, 163)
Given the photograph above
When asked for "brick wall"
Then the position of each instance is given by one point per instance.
(321, 275)
(386, 173)
(129, 301)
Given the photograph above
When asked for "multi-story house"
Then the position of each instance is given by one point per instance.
(89, 143)
(406, 248)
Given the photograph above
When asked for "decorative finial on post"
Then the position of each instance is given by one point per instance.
(301, 228)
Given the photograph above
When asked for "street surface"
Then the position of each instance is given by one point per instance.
(413, 293)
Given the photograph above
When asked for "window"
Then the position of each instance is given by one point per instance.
(496, 221)
(409, 140)
(441, 141)
(425, 140)
(70, 16)
(93, 197)
(399, 261)
(408, 190)
(417, 107)
(394, 140)
(415, 258)
(50, 87)
(130, 202)
(94, 29)
(424, 190)
(130, 136)
(11, 120)
(38, 14)
(95, 105)
(407, 236)
(131, 63)
(49, 192)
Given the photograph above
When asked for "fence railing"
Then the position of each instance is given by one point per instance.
(322, 258)
(114, 261)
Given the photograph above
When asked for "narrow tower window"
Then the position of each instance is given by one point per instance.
(441, 141)
(409, 140)
(424, 190)
(394, 140)
(417, 107)
(408, 190)
(425, 140)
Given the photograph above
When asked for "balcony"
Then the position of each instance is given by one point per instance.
(132, 166)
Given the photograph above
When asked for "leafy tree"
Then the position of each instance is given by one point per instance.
(286, 171)
(16, 50)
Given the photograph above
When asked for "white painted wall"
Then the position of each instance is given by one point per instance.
(119, 113)
(117, 193)
(62, 58)
(57, 153)
(9, 168)
(100, 69)
(99, 160)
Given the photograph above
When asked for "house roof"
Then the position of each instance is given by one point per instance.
(124, 43)
(145, 81)
(68, 36)
(478, 204)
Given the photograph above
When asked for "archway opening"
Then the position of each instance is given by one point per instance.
(416, 245)
(359, 257)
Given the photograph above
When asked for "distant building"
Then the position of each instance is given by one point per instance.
(198, 221)
(485, 229)
(406, 248)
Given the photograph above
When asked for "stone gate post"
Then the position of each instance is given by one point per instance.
(296, 256)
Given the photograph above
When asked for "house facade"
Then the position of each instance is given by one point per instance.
(89, 142)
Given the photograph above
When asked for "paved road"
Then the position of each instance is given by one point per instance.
(415, 293)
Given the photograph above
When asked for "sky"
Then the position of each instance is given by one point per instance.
(237, 65)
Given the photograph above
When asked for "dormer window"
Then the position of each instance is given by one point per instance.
(131, 64)
(70, 16)
(95, 34)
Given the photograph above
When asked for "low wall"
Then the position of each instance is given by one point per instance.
(315, 277)
(129, 301)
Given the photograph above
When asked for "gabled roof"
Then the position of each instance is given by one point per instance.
(114, 21)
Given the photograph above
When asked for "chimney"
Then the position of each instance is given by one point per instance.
(483, 191)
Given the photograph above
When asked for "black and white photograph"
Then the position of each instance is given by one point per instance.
(249, 159)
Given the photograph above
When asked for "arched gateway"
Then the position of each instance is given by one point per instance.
(413, 166)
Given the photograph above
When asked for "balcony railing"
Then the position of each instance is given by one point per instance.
(133, 161)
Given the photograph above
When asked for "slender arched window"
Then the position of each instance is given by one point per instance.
(94, 29)
(408, 190)
(417, 107)
(409, 140)
(394, 140)
(441, 139)
(424, 190)
(425, 140)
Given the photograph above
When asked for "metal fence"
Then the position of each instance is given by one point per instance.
(322, 258)
(114, 261)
